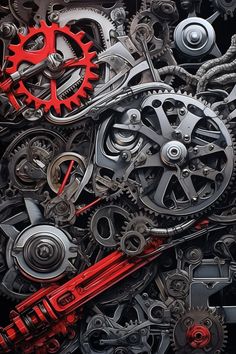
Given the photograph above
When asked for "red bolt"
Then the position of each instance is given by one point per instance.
(198, 336)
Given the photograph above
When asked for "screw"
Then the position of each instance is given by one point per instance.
(177, 134)
(124, 155)
(185, 173)
(205, 171)
(211, 147)
(186, 137)
(54, 17)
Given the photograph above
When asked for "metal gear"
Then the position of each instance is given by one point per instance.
(143, 25)
(199, 331)
(202, 135)
(141, 222)
(105, 222)
(47, 35)
(29, 155)
(226, 7)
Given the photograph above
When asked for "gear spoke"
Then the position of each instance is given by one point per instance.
(162, 187)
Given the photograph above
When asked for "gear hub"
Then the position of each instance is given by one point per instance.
(198, 336)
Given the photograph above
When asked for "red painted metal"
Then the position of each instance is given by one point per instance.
(54, 310)
(21, 55)
(198, 336)
(67, 175)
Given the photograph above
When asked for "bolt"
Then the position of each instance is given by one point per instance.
(7, 30)
(177, 134)
(44, 251)
(185, 173)
(194, 199)
(195, 150)
(54, 17)
(124, 155)
(211, 147)
(55, 61)
(205, 171)
(186, 137)
(182, 111)
(134, 118)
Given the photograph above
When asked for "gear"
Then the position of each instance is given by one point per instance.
(25, 174)
(202, 142)
(200, 331)
(144, 24)
(47, 38)
(29, 156)
(105, 223)
(226, 7)
(141, 222)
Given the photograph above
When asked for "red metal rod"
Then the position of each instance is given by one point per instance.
(67, 175)
(86, 207)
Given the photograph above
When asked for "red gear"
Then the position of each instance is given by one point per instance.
(21, 55)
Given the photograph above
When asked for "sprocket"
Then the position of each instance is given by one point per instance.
(47, 38)
(200, 330)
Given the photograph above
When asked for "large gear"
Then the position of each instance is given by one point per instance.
(176, 173)
(47, 35)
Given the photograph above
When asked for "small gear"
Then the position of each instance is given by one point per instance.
(200, 331)
(28, 163)
(144, 24)
(226, 7)
(105, 222)
(141, 222)
(135, 232)
(47, 36)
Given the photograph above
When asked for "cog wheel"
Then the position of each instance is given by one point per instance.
(27, 165)
(206, 143)
(105, 223)
(226, 7)
(200, 331)
(21, 11)
(29, 155)
(144, 23)
(140, 222)
(135, 232)
(26, 56)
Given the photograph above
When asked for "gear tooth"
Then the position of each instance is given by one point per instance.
(12, 48)
(68, 105)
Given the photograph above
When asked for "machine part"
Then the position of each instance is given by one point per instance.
(182, 148)
(143, 25)
(58, 167)
(43, 253)
(226, 8)
(165, 10)
(47, 36)
(105, 223)
(195, 37)
(64, 299)
(76, 14)
(137, 165)
(201, 330)
(177, 285)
